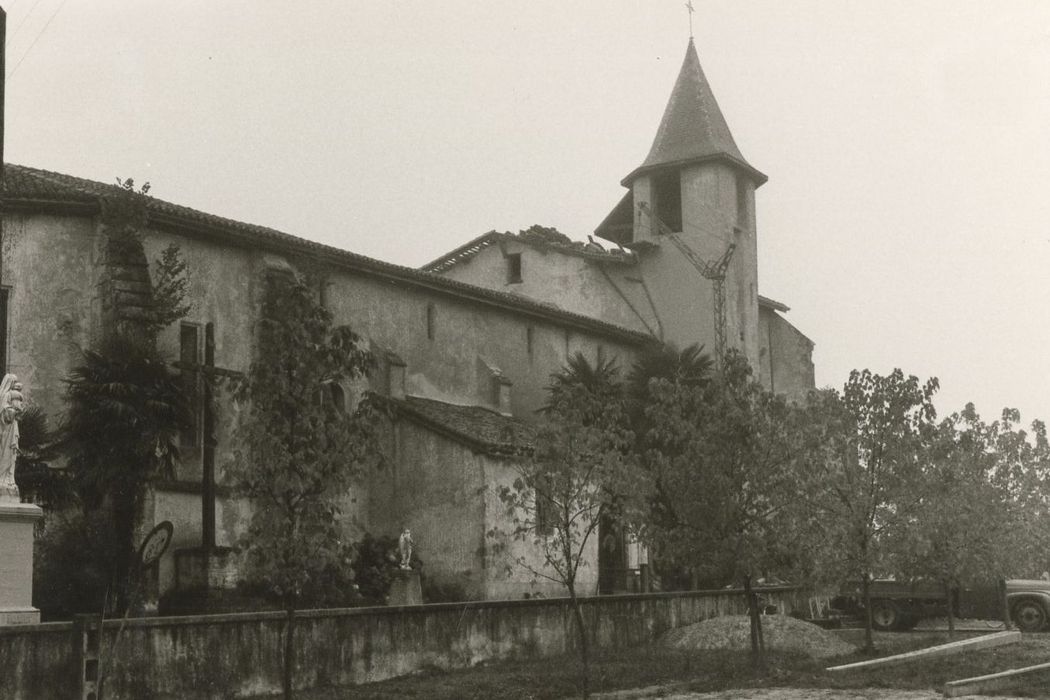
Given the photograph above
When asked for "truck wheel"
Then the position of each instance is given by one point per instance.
(1028, 615)
(885, 615)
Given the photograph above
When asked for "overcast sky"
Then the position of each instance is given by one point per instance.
(905, 221)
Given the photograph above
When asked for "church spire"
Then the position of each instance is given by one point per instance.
(693, 128)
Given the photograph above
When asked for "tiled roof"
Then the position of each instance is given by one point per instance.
(32, 189)
(481, 428)
(589, 251)
(693, 128)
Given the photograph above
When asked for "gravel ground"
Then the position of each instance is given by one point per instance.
(779, 631)
(940, 624)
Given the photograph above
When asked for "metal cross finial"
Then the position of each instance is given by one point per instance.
(689, 6)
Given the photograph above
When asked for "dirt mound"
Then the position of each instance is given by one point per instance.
(780, 632)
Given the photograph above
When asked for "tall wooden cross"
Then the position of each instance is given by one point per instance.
(206, 374)
(689, 7)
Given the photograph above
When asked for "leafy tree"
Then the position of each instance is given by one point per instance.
(1022, 469)
(720, 454)
(37, 480)
(572, 478)
(169, 289)
(873, 441)
(965, 526)
(298, 452)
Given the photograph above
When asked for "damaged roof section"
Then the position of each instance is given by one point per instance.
(481, 429)
(544, 239)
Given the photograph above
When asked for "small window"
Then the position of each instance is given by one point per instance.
(667, 190)
(600, 355)
(431, 321)
(189, 344)
(333, 395)
(741, 202)
(513, 268)
(529, 340)
(544, 502)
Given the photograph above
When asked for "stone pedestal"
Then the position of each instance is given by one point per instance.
(213, 568)
(16, 563)
(405, 588)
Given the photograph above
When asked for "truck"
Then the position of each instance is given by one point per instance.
(900, 605)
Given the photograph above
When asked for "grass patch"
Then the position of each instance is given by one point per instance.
(704, 671)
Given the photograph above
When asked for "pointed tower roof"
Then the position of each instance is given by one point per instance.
(693, 128)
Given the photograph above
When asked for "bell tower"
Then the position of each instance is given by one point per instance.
(690, 215)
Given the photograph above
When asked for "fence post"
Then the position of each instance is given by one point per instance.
(1004, 603)
(87, 639)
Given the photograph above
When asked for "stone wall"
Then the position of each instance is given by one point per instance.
(786, 365)
(224, 656)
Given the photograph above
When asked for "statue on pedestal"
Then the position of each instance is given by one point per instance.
(12, 403)
(404, 548)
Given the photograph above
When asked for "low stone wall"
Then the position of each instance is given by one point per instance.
(223, 656)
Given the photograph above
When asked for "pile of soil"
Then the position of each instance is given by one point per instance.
(781, 632)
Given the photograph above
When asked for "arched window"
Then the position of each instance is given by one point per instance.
(331, 394)
(337, 396)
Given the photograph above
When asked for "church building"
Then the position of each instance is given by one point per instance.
(466, 344)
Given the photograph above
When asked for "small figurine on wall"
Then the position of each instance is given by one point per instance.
(404, 548)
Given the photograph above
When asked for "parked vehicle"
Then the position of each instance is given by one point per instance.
(899, 605)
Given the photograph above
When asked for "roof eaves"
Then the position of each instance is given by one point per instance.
(463, 252)
(773, 304)
(758, 176)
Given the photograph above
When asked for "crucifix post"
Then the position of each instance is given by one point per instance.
(208, 456)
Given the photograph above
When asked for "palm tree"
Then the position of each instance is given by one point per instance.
(125, 412)
(578, 374)
(689, 366)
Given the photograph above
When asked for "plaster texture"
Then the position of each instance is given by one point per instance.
(456, 347)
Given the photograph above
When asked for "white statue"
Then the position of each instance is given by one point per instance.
(404, 548)
(11, 407)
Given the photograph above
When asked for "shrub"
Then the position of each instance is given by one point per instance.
(74, 556)
(375, 562)
(443, 592)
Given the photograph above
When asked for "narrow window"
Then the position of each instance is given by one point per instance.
(513, 268)
(529, 339)
(600, 355)
(544, 501)
(431, 321)
(667, 189)
(3, 329)
(331, 394)
(190, 358)
(741, 202)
